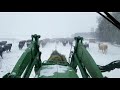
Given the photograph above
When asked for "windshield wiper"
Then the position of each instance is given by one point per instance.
(111, 19)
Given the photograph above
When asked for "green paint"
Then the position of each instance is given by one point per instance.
(85, 59)
(67, 73)
(27, 60)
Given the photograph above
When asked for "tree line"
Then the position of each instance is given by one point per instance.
(106, 31)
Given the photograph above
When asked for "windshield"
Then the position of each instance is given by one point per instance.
(57, 31)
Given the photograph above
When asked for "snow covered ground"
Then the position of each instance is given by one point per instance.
(10, 58)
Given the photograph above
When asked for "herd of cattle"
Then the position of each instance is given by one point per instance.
(22, 43)
(101, 46)
(6, 47)
(64, 41)
(45, 41)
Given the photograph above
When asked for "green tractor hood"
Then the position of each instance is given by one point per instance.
(56, 71)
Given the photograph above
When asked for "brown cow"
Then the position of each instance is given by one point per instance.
(103, 47)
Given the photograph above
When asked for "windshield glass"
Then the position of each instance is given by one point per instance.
(57, 31)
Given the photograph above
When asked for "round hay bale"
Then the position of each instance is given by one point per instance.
(57, 57)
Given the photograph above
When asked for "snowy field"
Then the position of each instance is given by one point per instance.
(9, 59)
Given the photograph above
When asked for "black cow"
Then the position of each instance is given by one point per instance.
(64, 43)
(7, 47)
(86, 45)
(70, 43)
(43, 43)
(21, 44)
(2, 49)
(28, 43)
(3, 43)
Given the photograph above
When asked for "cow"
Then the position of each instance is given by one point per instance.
(43, 43)
(3, 43)
(86, 45)
(57, 41)
(7, 47)
(64, 43)
(21, 44)
(70, 42)
(103, 47)
(2, 49)
(28, 43)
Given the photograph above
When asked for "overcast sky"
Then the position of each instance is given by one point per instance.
(46, 24)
